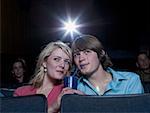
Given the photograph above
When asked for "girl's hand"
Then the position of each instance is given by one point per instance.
(56, 106)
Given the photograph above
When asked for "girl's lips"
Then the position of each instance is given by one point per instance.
(60, 71)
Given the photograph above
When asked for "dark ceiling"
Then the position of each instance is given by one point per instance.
(122, 25)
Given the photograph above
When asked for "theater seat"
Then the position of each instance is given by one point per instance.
(106, 104)
(146, 86)
(7, 92)
(24, 104)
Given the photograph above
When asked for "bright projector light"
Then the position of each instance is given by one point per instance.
(70, 27)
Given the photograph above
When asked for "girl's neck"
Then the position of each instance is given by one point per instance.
(48, 82)
(46, 87)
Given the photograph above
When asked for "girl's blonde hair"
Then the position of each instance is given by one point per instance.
(38, 76)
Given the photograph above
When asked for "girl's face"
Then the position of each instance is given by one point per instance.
(18, 70)
(87, 61)
(57, 64)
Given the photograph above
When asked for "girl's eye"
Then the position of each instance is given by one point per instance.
(67, 62)
(57, 59)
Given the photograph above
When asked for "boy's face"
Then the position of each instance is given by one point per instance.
(143, 61)
(87, 61)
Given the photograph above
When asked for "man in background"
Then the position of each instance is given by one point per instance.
(143, 69)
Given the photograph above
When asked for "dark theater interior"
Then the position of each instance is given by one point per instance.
(27, 25)
(123, 26)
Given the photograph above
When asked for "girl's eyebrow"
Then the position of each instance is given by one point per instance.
(61, 57)
(56, 56)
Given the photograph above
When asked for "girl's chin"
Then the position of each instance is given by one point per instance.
(59, 78)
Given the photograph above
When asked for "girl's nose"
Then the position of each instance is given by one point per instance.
(62, 64)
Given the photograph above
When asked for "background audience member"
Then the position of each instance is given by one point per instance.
(53, 64)
(143, 66)
(98, 78)
(18, 74)
(143, 69)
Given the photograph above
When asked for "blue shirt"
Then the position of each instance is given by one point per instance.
(122, 83)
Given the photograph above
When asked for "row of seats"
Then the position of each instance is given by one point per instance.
(24, 104)
(106, 104)
(9, 92)
(139, 103)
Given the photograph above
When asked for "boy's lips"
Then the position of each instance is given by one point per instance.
(83, 65)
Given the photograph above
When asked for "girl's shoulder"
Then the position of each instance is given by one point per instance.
(25, 90)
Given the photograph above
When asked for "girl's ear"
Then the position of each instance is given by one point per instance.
(44, 64)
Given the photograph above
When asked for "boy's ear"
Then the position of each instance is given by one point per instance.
(103, 52)
(12, 72)
(137, 65)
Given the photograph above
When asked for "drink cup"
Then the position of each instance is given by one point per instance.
(71, 81)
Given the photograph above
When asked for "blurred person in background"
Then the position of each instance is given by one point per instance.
(18, 74)
(143, 66)
(143, 69)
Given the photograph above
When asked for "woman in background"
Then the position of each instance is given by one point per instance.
(18, 74)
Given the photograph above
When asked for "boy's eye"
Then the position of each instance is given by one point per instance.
(87, 51)
(76, 54)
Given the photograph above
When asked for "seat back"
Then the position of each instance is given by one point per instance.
(7, 92)
(146, 86)
(106, 104)
(24, 104)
